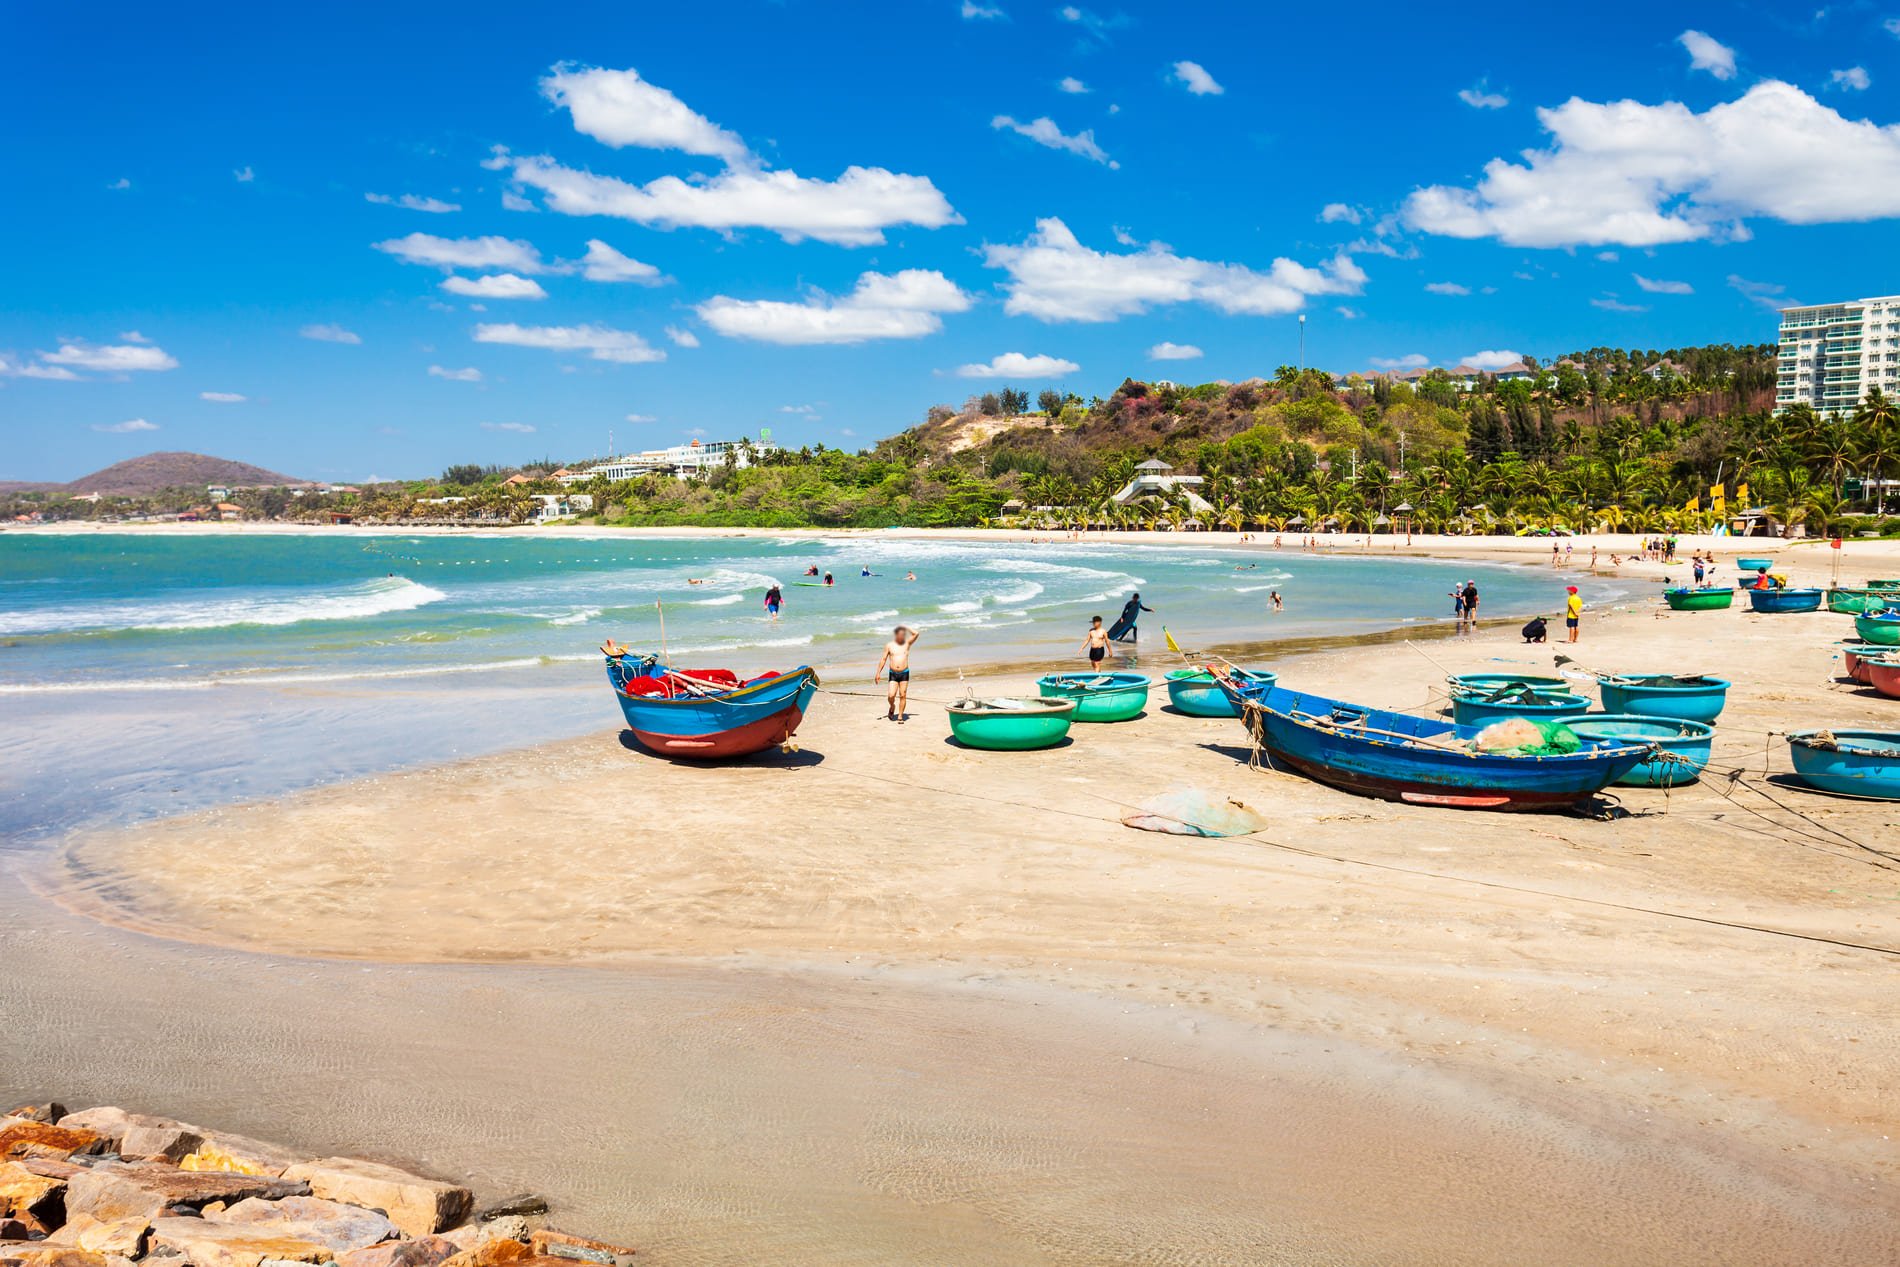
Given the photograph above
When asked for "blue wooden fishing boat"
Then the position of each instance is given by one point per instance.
(1420, 760)
(1853, 762)
(1786, 600)
(1196, 693)
(707, 714)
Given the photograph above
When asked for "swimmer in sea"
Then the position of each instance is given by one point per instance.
(910, 576)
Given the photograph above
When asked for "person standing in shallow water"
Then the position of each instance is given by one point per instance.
(773, 600)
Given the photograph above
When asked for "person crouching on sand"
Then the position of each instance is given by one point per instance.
(897, 657)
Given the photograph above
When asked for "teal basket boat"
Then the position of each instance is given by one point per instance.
(1481, 708)
(1682, 747)
(1851, 762)
(1011, 725)
(1196, 693)
(1485, 683)
(1860, 602)
(1705, 600)
(1882, 629)
(1684, 699)
(1099, 697)
(1755, 565)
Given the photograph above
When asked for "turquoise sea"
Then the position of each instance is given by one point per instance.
(142, 674)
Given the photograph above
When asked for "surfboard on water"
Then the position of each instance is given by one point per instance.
(810, 585)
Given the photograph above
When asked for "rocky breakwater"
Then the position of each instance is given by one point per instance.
(108, 1188)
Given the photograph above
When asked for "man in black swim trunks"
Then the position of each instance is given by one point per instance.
(897, 656)
(1095, 642)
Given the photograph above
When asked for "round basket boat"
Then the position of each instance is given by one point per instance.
(1852, 762)
(1785, 600)
(1099, 697)
(1683, 745)
(1754, 565)
(1471, 708)
(1883, 674)
(1011, 725)
(1881, 629)
(1490, 683)
(1701, 600)
(1696, 699)
(1196, 693)
(1858, 656)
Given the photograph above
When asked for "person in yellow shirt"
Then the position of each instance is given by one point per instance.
(1573, 612)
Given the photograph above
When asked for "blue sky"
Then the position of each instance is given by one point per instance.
(231, 230)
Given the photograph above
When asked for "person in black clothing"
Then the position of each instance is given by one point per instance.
(1471, 605)
(1130, 614)
(1537, 630)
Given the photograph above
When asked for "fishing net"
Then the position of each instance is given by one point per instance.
(1193, 812)
(1523, 737)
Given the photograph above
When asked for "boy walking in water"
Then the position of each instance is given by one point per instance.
(1095, 642)
(897, 656)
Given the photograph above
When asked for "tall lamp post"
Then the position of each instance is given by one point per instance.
(1302, 343)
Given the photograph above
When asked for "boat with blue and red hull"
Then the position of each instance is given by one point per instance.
(708, 714)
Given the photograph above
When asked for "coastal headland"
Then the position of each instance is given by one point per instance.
(884, 999)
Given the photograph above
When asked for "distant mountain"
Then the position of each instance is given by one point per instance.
(138, 476)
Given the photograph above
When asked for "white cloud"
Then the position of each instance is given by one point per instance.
(685, 338)
(1052, 276)
(414, 202)
(110, 358)
(330, 333)
(1610, 303)
(1480, 97)
(223, 398)
(1854, 78)
(604, 264)
(618, 108)
(1493, 360)
(1767, 294)
(1017, 365)
(1196, 79)
(1655, 287)
(1043, 131)
(1174, 352)
(1608, 257)
(120, 183)
(853, 210)
(1447, 288)
(10, 368)
(469, 375)
(512, 201)
(498, 286)
(974, 12)
(1631, 174)
(1071, 84)
(520, 428)
(1892, 27)
(641, 418)
(803, 411)
(132, 336)
(1337, 212)
(1410, 361)
(126, 427)
(602, 343)
(511, 254)
(904, 305)
(1094, 24)
(1350, 314)
(244, 175)
(1708, 53)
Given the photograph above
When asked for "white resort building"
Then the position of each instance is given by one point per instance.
(686, 461)
(1155, 478)
(1831, 355)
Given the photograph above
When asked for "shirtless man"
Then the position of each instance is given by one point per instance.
(897, 656)
(1095, 643)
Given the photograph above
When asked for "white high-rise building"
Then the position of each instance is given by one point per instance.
(1833, 354)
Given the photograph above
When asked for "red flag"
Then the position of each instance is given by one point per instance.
(1835, 544)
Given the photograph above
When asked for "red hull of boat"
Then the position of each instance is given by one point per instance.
(757, 736)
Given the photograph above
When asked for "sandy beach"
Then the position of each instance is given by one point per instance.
(887, 1000)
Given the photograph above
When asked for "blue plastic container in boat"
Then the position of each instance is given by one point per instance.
(1853, 762)
(1699, 699)
(1689, 740)
(1478, 709)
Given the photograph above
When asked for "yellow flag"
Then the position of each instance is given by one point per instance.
(1741, 494)
(1692, 504)
(1715, 492)
(1169, 639)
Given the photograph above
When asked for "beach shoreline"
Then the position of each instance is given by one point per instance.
(1595, 979)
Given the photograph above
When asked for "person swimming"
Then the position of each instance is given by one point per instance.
(828, 580)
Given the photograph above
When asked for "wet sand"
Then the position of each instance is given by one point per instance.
(886, 1000)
